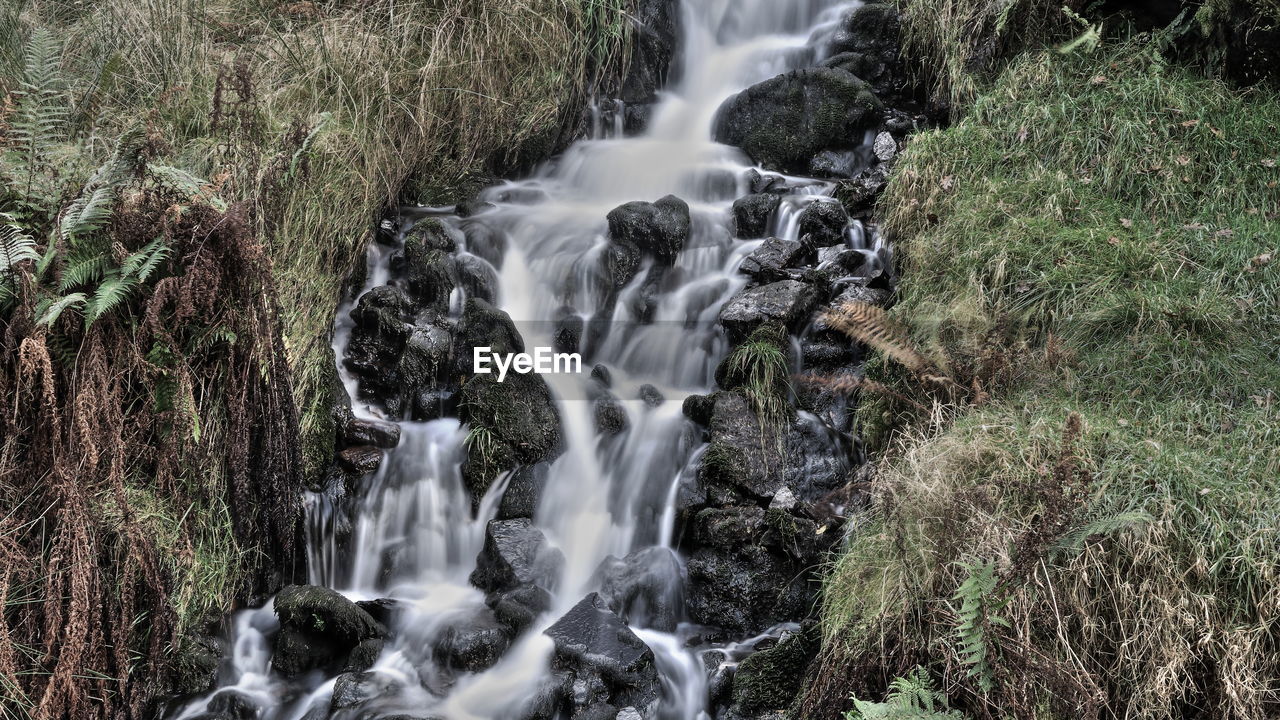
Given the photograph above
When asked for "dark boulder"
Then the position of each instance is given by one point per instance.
(483, 325)
(656, 28)
(658, 229)
(740, 453)
(477, 277)
(610, 415)
(426, 356)
(769, 679)
(519, 412)
(233, 704)
(524, 492)
(356, 688)
(751, 214)
(432, 234)
(516, 554)
(772, 260)
(591, 640)
(783, 122)
(651, 396)
(474, 643)
(360, 460)
(360, 431)
(824, 222)
(518, 608)
(644, 588)
(429, 274)
(787, 302)
(382, 326)
(699, 408)
(321, 629)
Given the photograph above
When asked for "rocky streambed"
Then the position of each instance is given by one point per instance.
(644, 539)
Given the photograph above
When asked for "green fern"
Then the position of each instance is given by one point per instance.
(910, 697)
(16, 247)
(42, 110)
(143, 263)
(50, 309)
(113, 292)
(84, 270)
(92, 210)
(1076, 539)
(978, 608)
(185, 184)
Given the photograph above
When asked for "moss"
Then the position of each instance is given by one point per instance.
(519, 412)
(770, 679)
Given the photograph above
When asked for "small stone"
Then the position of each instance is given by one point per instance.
(363, 459)
(784, 499)
(885, 147)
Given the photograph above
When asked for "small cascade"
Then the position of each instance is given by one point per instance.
(599, 522)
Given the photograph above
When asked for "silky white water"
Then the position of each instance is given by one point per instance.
(415, 536)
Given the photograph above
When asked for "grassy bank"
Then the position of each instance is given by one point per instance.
(186, 184)
(1084, 523)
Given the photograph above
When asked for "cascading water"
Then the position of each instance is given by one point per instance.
(415, 534)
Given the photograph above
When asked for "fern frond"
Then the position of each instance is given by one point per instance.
(871, 325)
(83, 271)
(185, 184)
(1076, 539)
(41, 111)
(16, 246)
(978, 607)
(143, 263)
(48, 311)
(110, 294)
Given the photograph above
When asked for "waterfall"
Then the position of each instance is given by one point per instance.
(414, 535)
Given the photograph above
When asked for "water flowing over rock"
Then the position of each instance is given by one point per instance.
(784, 122)
(577, 544)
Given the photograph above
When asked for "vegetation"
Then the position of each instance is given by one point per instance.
(1074, 513)
(184, 187)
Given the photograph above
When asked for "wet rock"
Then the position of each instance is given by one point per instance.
(591, 639)
(486, 242)
(568, 332)
(861, 292)
(758, 183)
(752, 213)
(426, 356)
(656, 28)
(549, 698)
(698, 408)
(751, 568)
(383, 610)
(610, 416)
(770, 679)
(658, 229)
(859, 195)
(787, 302)
(518, 608)
(867, 45)
(769, 262)
(430, 274)
(601, 374)
(435, 402)
(619, 263)
(519, 412)
(824, 223)
(359, 431)
(817, 459)
(473, 644)
(354, 689)
(651, 396)
(524, 492)
(230, 703)
(483, 325)
(477, 277)
(885, 147)
(320, 629)
(432, 234)
(516, 553)
(783, 122)
(739, 455)
(837, 163)
(644, 589)
(194, 669)
(360, 460)
(381, 328)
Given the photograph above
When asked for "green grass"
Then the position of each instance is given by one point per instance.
(1093, 239)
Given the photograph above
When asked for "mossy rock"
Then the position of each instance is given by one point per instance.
(483, 325)
(783, 122)
(322, 611)
(519, 412)
(770, 679)
(429, 273)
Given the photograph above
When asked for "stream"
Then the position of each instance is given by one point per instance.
(409, 535)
